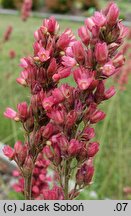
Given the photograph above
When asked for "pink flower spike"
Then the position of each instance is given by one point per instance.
(8, 152)
(43, 55)
(11, 114)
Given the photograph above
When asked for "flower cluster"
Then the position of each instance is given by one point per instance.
(40, 179)
(26, 9)
(60, 118)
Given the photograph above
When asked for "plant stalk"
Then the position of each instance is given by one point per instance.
(66, 188)
(28, 187)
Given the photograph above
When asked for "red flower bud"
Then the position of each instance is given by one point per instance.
(22, 111)
(79, 52)
(92, 149)
(113, 14)
(97, 116)
(101, 52)
(84, 35)
(109, 93)
(84, 174)
(74, 147)
(99, 19)
(8, 152)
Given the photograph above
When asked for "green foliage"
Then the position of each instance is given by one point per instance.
(8, 4)
(15, 196)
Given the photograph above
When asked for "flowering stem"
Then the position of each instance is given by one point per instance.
(27, 187)
(66, 180)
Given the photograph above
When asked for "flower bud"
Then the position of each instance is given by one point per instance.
(11, 114)
(18, 147)
(99, 19)
(22, 111)
(51, 25)
(109, 93)
(28, 166)
(118, 60)
(9, 152)
(84, 35)
(97, 116)
(48, 153)
(79, 52)
(84, 174)
(74, 147)
(113, 14)
(89, 23)
(57, 95)
(47, 103)
(71, 118)
(88, 133)
(101, 52)
(92, 149)
(48, 130)
(108, 69)
(52, 67)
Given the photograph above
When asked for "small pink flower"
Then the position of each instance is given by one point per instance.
(109, 93)
(22, 111)
(99, 19)
(11, 114)
(92, 149)
(74, 147)
(113, 14)
(68, 61)
(8, 152)
(62, 73)
(118, 60)
(47, 103)
(84, 174)
(18, 147)
(97, 116)
(84, 35)
(43, 55)
(23, 63)
(101, 52)
(82, 78)
(89, 23)
(108, 69)
(51, 25)
(79, 52)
